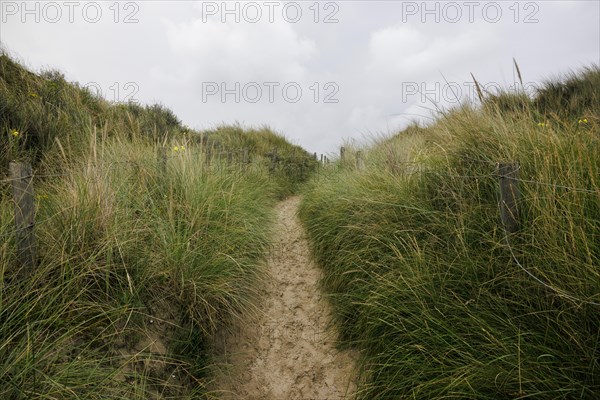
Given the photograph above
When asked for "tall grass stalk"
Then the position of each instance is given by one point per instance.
(422, 276)
(140, 261)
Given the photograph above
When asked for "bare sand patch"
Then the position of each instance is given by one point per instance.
(287, 351)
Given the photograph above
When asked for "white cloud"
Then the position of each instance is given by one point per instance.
(370, 53)
(405, 51)
(239, 51)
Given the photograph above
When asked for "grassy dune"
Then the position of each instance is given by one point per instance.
(140, 263)
(425, 282)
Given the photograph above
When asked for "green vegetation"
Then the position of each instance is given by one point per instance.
(45, 107)
(143, 259)
(140, 262)
(425, 282)
(289, 165)
(42, 115)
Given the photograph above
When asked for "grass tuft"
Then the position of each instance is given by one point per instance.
(142, 258)
(423, 278)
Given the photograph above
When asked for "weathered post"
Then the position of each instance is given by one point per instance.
(208, 154)
(359, 160)
(162, 159)
(245, 158)
(509, 196)
(22, 185)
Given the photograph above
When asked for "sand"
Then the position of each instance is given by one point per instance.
(287, 350)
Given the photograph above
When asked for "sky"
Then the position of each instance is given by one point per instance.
(320, 73)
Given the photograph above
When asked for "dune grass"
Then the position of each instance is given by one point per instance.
(423, 278)
(129, 255)
(141, 263)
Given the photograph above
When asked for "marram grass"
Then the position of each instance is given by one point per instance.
(140, 262)
(138, 269)
(423, 279)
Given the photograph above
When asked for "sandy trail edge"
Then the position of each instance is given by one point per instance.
(288, 350)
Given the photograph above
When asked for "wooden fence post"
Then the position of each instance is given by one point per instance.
(245, 158)
(509, 196)
(208, 155)
(162, 159)
(22, 184)
(359, 160)
(217, 154)
(342, 153)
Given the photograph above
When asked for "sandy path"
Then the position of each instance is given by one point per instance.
(287, 351)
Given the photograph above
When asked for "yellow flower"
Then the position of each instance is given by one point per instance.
(176, 148)
(34, 95)
(15, 133)
(182, 148)
(582, 121)
(542, 124)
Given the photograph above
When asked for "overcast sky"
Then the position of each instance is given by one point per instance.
(317, 72)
